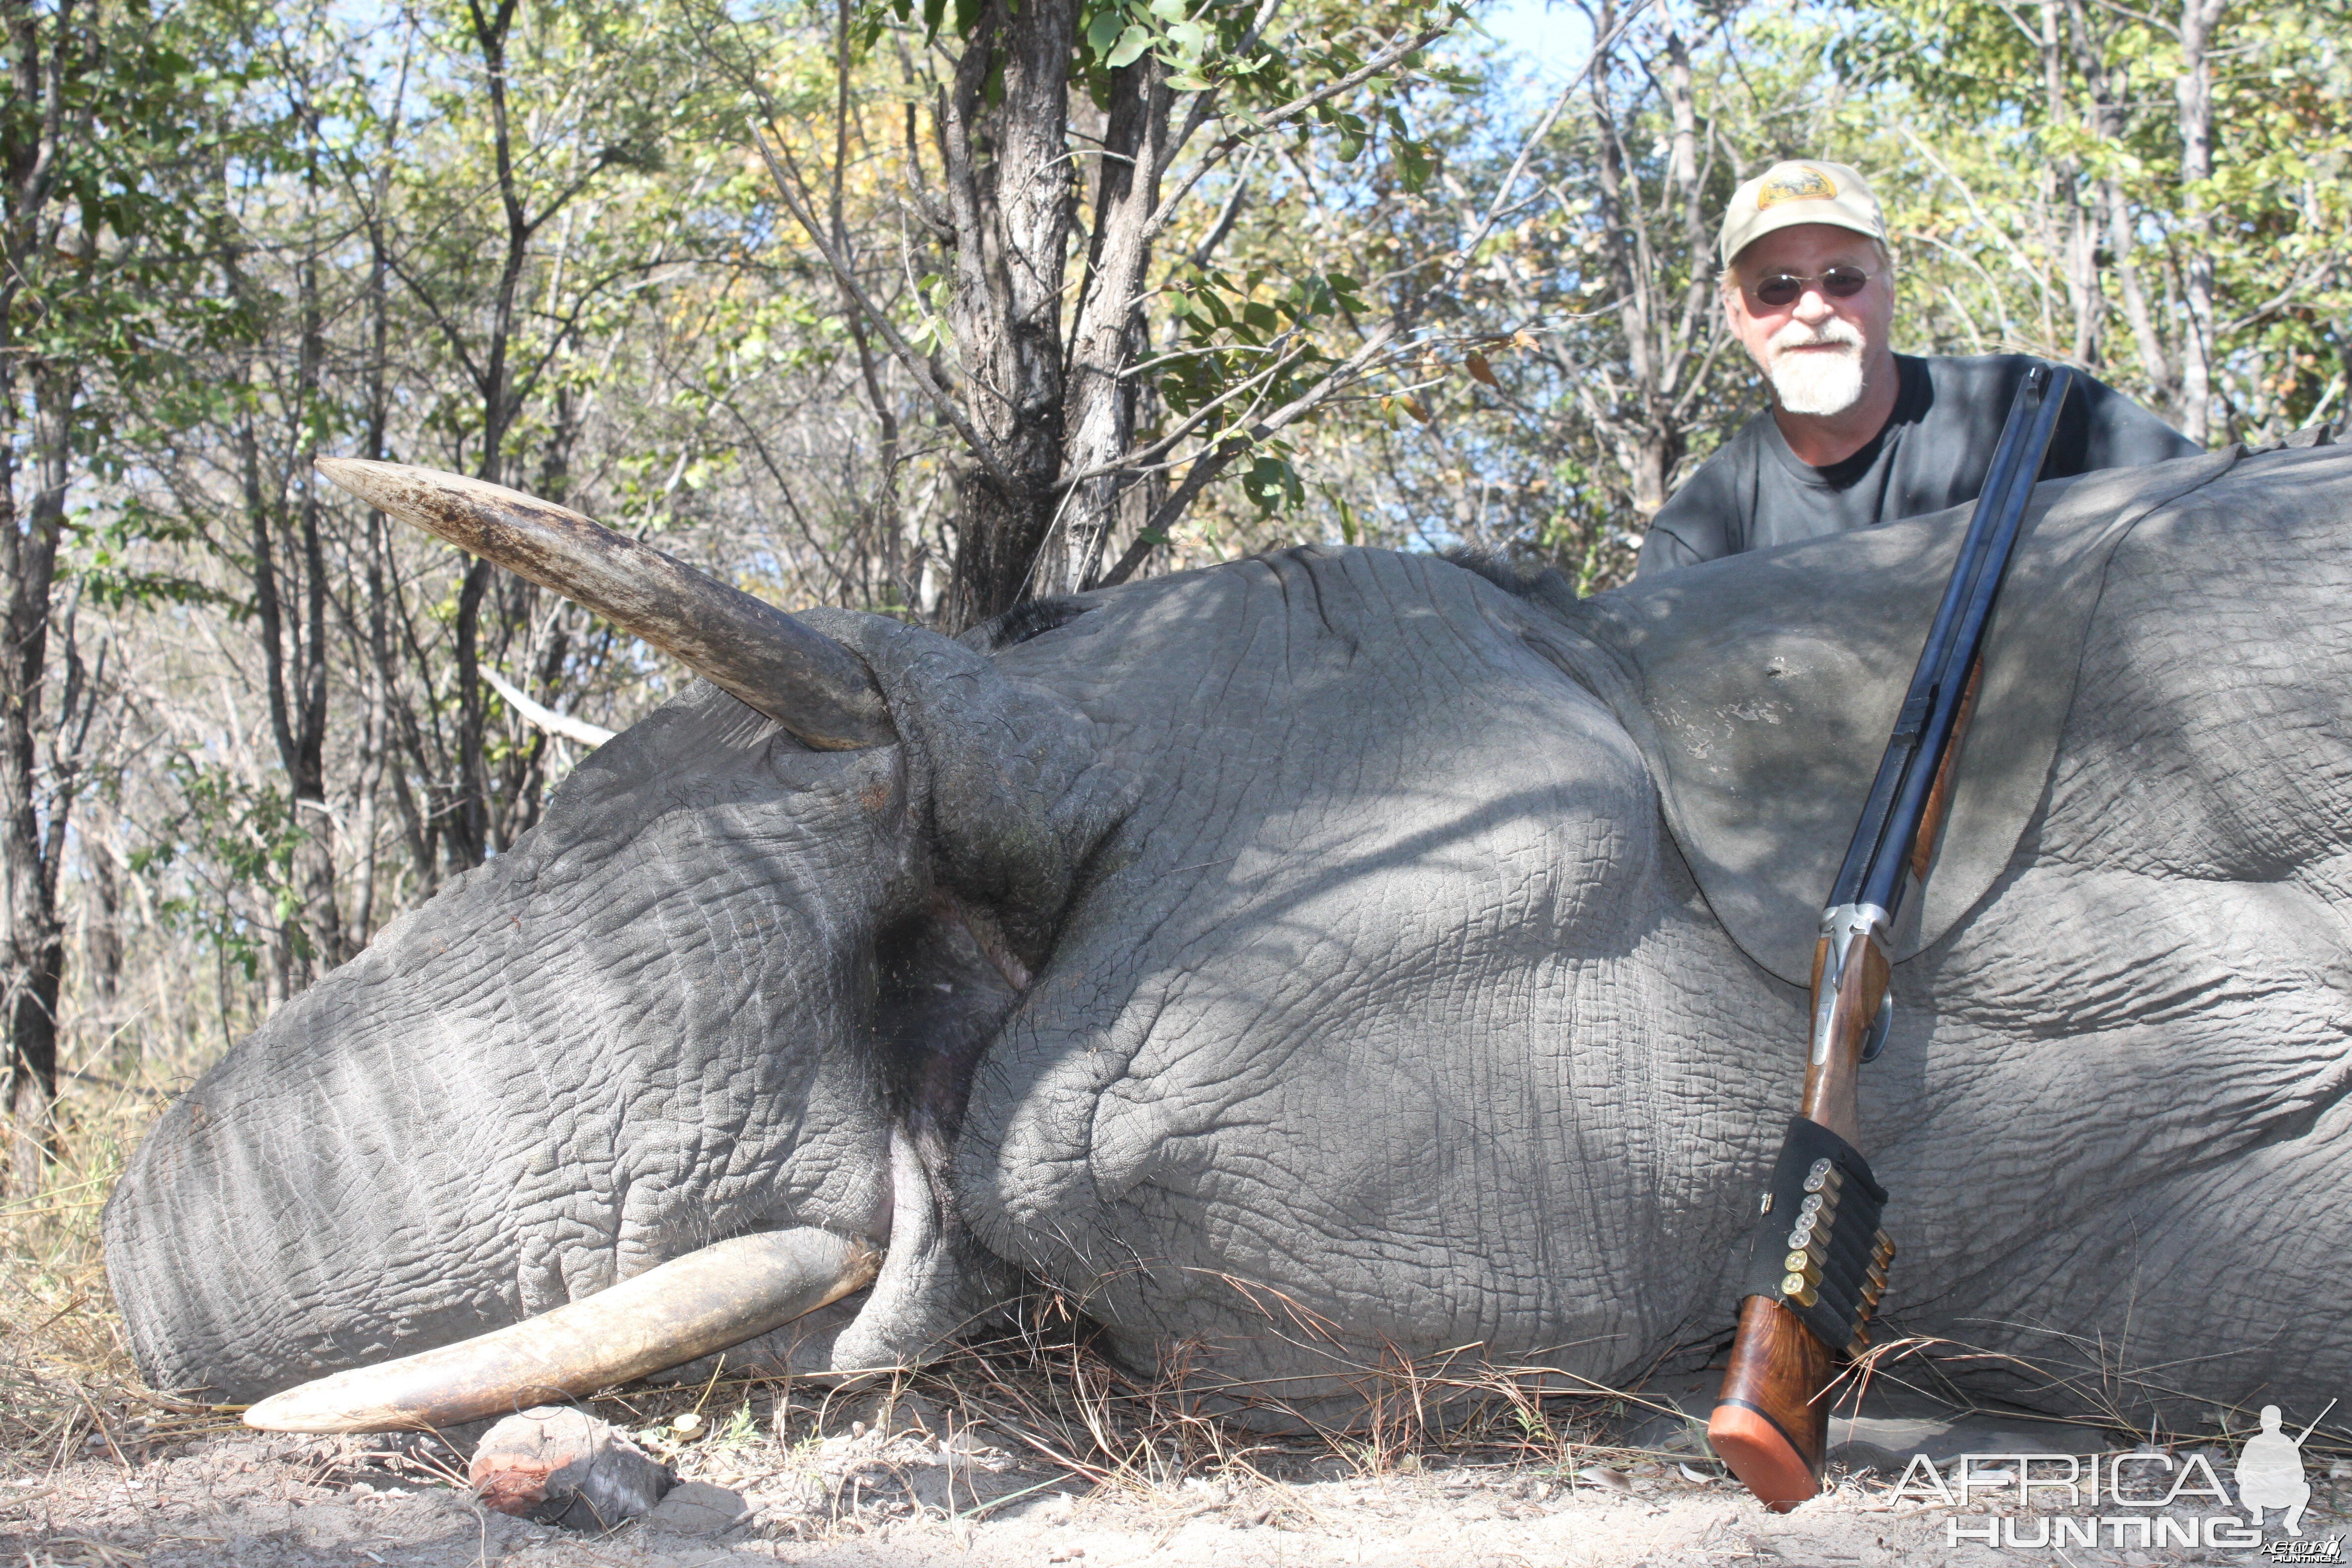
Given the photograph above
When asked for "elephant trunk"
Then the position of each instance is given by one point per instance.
(707, 1301)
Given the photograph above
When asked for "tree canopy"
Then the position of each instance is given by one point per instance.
(928, 308)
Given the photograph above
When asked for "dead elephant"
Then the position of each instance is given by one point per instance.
(1341, 938)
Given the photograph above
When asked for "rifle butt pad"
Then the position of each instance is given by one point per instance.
(1770, 1425)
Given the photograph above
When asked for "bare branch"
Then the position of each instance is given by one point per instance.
(1259, 123)
(1210, 464)
(912, 362)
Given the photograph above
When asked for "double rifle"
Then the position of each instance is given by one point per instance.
(1817, 1262)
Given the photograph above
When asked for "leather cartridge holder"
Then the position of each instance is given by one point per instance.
(1817, 1249)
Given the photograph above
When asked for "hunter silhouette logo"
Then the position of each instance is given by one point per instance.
(2270, 1472)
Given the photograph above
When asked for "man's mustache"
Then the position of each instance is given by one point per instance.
(1796, 335)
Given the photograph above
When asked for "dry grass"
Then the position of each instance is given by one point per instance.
(2109, 1388)
(66, 1382)
(1045, 1390)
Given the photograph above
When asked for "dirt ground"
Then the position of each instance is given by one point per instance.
(1031, 1450)
(1027, 1451)
(900, 1480)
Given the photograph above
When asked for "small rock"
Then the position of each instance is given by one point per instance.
(698, 1508)
(1617, 1481)
(687, 1426)
(967, 1443)
(555, 1465)
(913, 1413)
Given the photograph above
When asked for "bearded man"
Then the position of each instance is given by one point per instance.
(1856, 433)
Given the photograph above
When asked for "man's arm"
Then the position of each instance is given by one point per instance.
(1663, 549)
(1696, 524)
(2120, 434)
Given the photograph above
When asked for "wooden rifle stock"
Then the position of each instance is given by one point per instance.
(1771, 1424)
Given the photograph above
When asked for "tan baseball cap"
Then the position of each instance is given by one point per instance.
(1789, 193)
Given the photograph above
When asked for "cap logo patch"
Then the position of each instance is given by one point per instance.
(1799, 184)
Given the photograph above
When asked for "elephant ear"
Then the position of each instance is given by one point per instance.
(1765, 686)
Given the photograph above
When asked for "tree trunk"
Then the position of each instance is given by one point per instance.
(2107, 86)
(2194, 92)
(102, 940)
(468, 833)
(1655, 455)
(1102, 398)
(49, 54)
(1008, 181)
(314, 857)
(295, 657)
(2074, 235)
(1663, 324)
(32, 942)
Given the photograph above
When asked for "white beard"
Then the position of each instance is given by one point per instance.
(1813, 380)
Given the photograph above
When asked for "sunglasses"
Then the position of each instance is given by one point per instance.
(1782, 289)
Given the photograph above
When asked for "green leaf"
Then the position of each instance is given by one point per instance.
(1131, 44)
(1415, 163)
(1272, 483)
(1103, 31)
(1168, 10)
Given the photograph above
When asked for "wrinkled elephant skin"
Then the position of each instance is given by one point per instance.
(1297, 960)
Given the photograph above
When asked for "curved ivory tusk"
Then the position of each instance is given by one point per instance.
(546, 718)
(810, 684)
(707, 1301)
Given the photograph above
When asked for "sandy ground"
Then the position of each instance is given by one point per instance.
(913, 1487)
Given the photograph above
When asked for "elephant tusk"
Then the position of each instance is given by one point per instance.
(707, 1301)
(546, 718)
(810, 684)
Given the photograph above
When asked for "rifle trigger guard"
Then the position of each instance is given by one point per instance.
(1880, 1022)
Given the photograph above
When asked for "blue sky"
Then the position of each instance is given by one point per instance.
(1550, 39)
